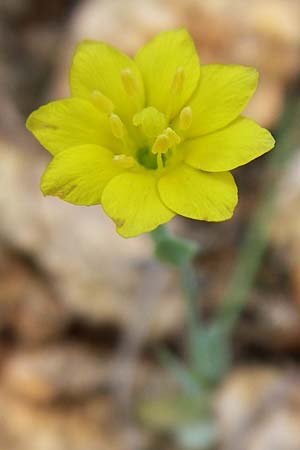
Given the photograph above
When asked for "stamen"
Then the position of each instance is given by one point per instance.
(129, 81)
(102, 102)
(159, 160)
(124, 161)
(117, 126)
(161, 144)
(174, 139)
(177, 81)
(185, 118)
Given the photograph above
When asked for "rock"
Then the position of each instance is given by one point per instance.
(265, 35)
(62, 397)
(94, 273)
(267, 102)
(280, 430)
(28, 427)
(272, 323)
(124, 23)
(52, 373)
(259, 408)
(285, 225)
(14, 8)
(28, 309)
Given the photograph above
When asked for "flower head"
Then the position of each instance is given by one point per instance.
(150, 137)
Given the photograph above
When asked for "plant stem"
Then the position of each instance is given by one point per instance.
(256, 237)
(190, 289)
(179, 252)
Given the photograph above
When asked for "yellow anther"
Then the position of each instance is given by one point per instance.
(185, 118)
(178, 81)
(161, 144)
(129, 81)
(117, 126)
(102, 102)
(174, 139)
(124, 161)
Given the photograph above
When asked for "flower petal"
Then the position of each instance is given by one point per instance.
(69, 122)
(132, 201)
(159, 60)
(78, 175)
(199, 195)
(228, 148)
(222, 93)
(97, 66)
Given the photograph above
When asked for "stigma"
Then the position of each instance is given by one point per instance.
(151, 121)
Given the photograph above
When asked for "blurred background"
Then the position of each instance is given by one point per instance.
(83, 311)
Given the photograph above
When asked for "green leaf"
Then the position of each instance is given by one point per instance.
(180, 372)
(175, 251)
(211, 354)
(201, 435)
(168, 413)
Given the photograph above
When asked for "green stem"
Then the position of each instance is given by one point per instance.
(190, 289)
(160, 233)
(180, 252)
(257, 235)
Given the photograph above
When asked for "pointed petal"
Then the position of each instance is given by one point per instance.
(78, 175)
(132, 201)
(97, 66)
(199, 195)
(237, 144)
(70, 122)
(159, 61)
(222, 94)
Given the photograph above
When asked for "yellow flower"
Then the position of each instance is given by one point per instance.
(150, 137)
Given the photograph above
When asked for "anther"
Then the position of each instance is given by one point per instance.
(174, 139)
(178, 80)
(117, 126)
(124, 161)
(185, 118)
(161, 144)
(129, 81)
(102, 102)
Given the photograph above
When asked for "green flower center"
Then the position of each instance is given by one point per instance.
(146, 158)
(156, 140)
(158, 137)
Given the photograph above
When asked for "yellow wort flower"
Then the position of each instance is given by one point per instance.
(152, 136)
